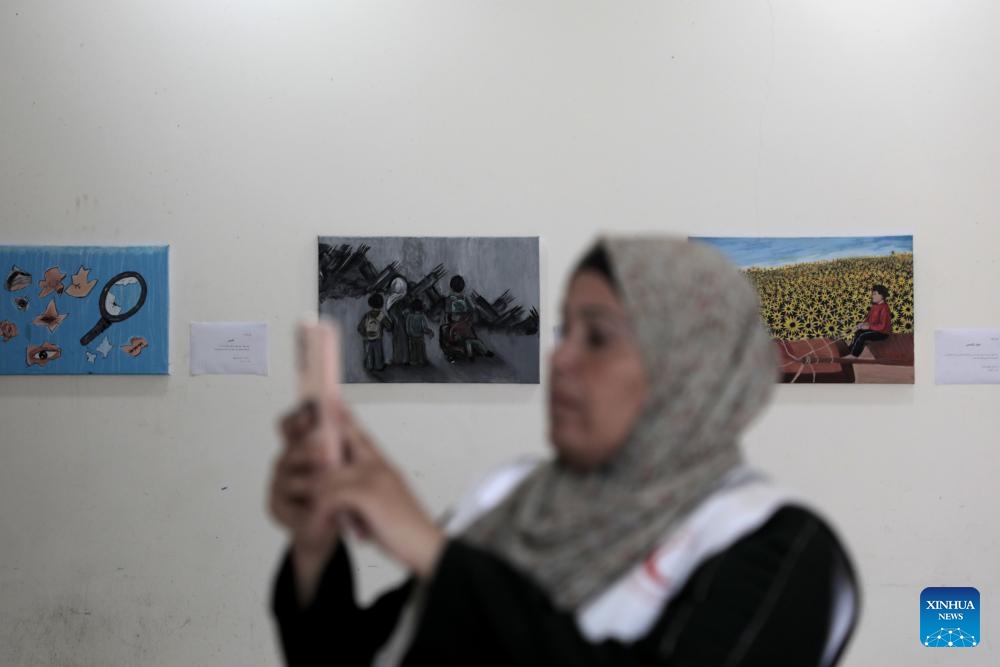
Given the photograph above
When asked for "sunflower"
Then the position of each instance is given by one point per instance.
(792, 325)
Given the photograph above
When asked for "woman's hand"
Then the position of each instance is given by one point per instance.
(293, 498)
(371, 491)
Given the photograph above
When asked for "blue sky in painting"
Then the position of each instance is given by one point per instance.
(779, 251)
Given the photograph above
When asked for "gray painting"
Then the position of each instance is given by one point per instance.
(433, 309)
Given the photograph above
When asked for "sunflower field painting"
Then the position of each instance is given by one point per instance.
(840, 309)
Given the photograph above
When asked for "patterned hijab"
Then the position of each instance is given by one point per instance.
(711, 370)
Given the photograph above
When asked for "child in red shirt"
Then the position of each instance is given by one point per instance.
(878, 324)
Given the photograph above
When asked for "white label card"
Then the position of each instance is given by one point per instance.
(967, 356)
(229, 348)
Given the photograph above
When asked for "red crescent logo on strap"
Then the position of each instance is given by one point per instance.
(654, 574)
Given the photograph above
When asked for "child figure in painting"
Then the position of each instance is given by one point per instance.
(878, 324)
(416, 329)
(457, 303)
(371, 327)
(459, 340)
(458, 337)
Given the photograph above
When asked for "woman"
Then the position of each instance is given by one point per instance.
(645, 541)
(395, 304)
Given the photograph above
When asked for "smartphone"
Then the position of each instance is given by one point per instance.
(319, 361)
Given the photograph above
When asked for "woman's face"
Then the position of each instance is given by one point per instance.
(598, 383)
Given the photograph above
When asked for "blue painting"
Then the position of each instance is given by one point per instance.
(84, 310)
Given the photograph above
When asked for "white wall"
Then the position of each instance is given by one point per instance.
(238, 132)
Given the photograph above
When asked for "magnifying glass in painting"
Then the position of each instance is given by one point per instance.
(121, 298)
